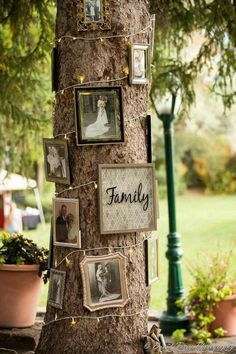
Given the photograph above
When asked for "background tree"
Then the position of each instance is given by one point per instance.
(26, 32)
(96, 61)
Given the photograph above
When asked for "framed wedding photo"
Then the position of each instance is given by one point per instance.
(127, 198)
(66, 231)
(104, 281)
(56, 161)
(56, 288)
(99, 115)
(93, 15)
(152, 259)
(139, 71)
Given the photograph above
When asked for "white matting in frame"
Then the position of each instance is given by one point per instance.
(104, 281)
(127, 198)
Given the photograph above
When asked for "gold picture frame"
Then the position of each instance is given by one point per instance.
(56, 161)
(93, 15)
(139, 64)
(104, 281)
(152, 259)
(127, 198)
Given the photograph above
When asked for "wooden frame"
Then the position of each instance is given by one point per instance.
(152, 259)
(127, 198)
(99, 115)
(56, 288)
(56, 161)
(104, 281)
(66, 231)
(92, 17)
(139, 64)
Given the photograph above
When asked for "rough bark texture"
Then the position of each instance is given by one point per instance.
(98, 60)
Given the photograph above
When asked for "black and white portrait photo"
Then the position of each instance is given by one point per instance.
(93, 15)
(93, 10)
(56, 288)
(104, 281)
(56, 161)
(99, 115)
(66, 230)
(139, 63)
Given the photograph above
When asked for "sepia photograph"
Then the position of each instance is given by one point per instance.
(56, 288)
(139, 64)
(56, 161)
(93, 15)
(66, 231)
(104, 281)
(99, 115)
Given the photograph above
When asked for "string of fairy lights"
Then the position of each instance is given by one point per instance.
(126, 38)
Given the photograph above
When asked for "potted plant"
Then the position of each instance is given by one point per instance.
(211, 300)
(22, 264)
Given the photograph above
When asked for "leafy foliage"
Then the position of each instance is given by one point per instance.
(212, 283)
(215, 23)
(18, 250)
(26, 32)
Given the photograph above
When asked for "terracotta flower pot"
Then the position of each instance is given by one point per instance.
(225, 313)
(19, 295)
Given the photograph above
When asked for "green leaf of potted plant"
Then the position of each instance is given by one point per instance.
(211, 300)
(22, 264)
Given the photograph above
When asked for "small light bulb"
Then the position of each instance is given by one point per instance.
(70, 187)
(81, 78)
(109, 250)
(126, 70)
(74, 38)
(59, 40)
(68, 262)
(98, 320)
(62, 92)
(73, 322)
(102, 40)
(130, 251)
(95, 185)
(65, 136)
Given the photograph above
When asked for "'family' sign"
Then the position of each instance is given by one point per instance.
(127, 198)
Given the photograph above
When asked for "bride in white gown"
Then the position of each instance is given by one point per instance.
(99, 126)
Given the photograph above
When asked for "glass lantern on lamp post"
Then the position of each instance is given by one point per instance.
(166, 108)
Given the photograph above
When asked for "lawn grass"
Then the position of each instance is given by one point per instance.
(206, 224)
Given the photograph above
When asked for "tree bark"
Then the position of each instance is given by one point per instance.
(97, 60)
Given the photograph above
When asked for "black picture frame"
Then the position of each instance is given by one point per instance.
(54, 69)
(148, 138)
(99, 115)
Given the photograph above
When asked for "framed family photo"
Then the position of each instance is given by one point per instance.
(152, 259)
(93, 15)
(66, 231)
(127, 198)
(99, 115)
(56, 288)
(139, 64)
(104, 281)
(56, 161)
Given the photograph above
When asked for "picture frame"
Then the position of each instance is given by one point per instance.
(99, 115)
(152, 259)
(56, 160)
(148, 130)
(56, 288)
(93, 15)
(50, 252)
(127, 198)
(139, 64)
(54, 69)
(66, 230)
(104, 281)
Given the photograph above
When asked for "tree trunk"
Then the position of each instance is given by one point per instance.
(97, 60)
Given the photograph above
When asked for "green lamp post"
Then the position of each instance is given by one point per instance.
(170, 320)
